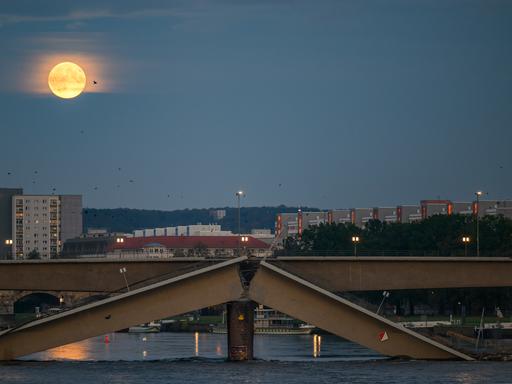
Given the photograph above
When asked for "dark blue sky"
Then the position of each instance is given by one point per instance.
(319, 103)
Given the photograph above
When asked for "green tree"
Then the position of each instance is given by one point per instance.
(33, 255)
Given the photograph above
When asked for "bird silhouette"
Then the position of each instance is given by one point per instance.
(94, 82)
(9, 173)
(131, 181)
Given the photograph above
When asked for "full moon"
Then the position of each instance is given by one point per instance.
(66, 80)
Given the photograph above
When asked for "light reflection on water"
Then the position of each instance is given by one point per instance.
(75, 351)
(199, 359)
(161, 346)
(317, 345)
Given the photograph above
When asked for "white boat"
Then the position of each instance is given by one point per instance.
(145, 328)
(268, 321)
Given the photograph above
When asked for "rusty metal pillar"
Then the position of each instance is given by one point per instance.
(240, 316)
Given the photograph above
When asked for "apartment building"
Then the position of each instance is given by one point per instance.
(41, 223)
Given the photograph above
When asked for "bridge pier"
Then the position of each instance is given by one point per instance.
(240, 323)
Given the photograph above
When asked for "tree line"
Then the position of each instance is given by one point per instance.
(438, 235)
(127, 220)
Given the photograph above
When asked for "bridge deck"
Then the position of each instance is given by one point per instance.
(338, 274)
(208, 286)
(296, 297)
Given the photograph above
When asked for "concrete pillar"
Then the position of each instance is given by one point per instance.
(240, 317)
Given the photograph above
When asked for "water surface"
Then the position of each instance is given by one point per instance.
(200, 358)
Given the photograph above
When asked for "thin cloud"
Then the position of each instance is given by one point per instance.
(85, 15)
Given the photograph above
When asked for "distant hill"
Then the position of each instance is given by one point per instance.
(127, 220)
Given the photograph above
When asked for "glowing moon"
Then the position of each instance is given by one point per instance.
(66, 80)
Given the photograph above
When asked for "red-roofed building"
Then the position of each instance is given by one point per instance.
(158, 247)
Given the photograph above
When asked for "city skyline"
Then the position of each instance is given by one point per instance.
(332, 104)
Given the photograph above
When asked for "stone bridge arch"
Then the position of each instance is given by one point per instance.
(8, 299)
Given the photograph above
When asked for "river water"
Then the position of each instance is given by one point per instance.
(200, 358)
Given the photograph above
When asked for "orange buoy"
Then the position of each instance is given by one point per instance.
(107, 339)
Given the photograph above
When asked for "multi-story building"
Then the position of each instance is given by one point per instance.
(286, 224)
(504, 207)
(493, 207)
(408, 213)
(6, 238)
(290, 224)
(71, 223)
(435, 207)
(462, 208)
(385, 214)
(340, 216)
(183, 230)
(42, 222)
(361, 216)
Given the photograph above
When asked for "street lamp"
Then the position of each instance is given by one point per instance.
(355, 240)
(466, 240)
(239, 195)
(477, 211)
(385, 295)
(8, 243)
(122, 271)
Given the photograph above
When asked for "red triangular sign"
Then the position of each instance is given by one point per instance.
(383, 336)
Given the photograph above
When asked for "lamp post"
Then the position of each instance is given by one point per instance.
(477, 211)
(244, 240)
(122, 271)
(8, 243)
(355, 240)
(385, 295)
(466, 240)
(239, 195)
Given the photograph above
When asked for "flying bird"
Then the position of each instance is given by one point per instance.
(94, 82)
(9, 173)
(131, 181)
